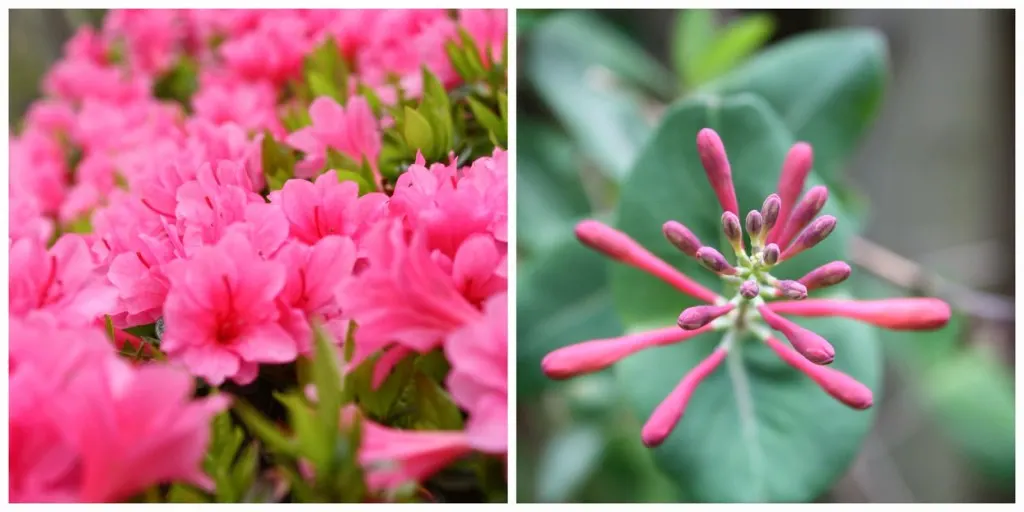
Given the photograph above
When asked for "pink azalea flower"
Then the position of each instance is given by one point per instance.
(720, 313)
(327, 207)
(75, 80)
(38, 169)
(478, 381)
(274, 51)
(351, 130)
(218, 198)
(51, 116)
(489, 29)
(151, 37)
(221, 316)
(62, 282)
(27, 219)
(393, 457)
(251, 105)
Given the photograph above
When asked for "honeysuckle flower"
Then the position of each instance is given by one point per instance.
(782, 229)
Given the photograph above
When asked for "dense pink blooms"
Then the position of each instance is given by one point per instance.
(351, 130)
(327, 207)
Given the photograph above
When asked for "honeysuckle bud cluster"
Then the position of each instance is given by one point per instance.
(754, 301)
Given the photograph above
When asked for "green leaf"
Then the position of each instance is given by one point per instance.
(327, 378)
(179, 83)
(563, 298)
(489, 120)
(380, 402)
(265, 430)
(826, 86)
(567, 461)
(313, 442)
(321, 86)
(364, 186)
(417, 132)
(110, 327)
(584, 71)
(433, 406)
(733, 44)
(692, 35)
(756, 429)
(181, 493)
(278, 161)
(472, 54)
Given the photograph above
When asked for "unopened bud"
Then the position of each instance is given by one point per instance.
(731, 228)
(770, 211)
(829, 274)
(749, 289)
(698, 316)
(755, 224)
(715, 261)
(803, 213)
(770, 255)
(716, 166)
(813, 235)
(791, 290)
(605, 239)
(682, 238)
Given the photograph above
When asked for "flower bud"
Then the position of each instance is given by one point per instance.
(770, 256)
(829, 274)
(755, 224)
(813, 235)
(795, 169)
(770, 211)
(808, 343)
(731, 228)
(682, 238)
(802, 215)
(791, 290)
(698, 316)
(665, 418)
(749, 289)
(596, 355)
(716, 166)
(605, 239)
(841, 386)
(715, 261)
(901, 314)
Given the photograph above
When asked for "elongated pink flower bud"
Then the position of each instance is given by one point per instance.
(715, 261)
(732, 229)
(839, 385)
(716, 166)
(596, 355)
(696, 317)
(791, 290)
(901, 314)
(770, 211)
(754, 224)
(670, 411)
(819, 230)
(808, 343)
(829, 274)
(749, 289)
(771, 254)
(795, 169)
(681, 237)
(619, 246)
(802, 215)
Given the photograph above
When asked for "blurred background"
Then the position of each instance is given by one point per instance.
(934, 176)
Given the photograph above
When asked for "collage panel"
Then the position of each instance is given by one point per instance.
(764, 256)
(258, 256)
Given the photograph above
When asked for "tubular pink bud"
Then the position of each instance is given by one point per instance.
(802, 215)
(670, 411)
(839, 385)
(770, 256)
(731, 228)
(901, 314)
(596, 355)
(681, 237)
(619, 246)
(819, 230)
(696, 317)
(749, 289)
(795, 169)
(770, 211)
(806, 342)
(754, 224)
(829, 274)
(716, 166)
(715, 261)
(791, 290)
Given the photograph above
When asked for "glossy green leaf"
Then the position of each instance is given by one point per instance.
(587, 72)
(733, 43)
(826, 86)
(417, 132)
(489, 120)
(760, 430)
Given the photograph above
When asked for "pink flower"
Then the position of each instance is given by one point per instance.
(27, 219)
(327, 207)
(747, 309)
(75, 80)
(402, 296)
(478, 381)
(489, 29)
(393, 457)
(221, 316)
(151, 37)
(273, 52)
(38, 169)
(251, 105)
(218, 198)
(351, 130)
(61, 282)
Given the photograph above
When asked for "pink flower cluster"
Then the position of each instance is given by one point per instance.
(181, 230)
(781, 229)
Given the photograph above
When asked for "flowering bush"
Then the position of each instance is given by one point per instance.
(261, 256)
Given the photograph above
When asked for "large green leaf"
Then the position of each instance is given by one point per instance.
(586, 72)
(756, 429)
(563, 298)
(826, 86)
